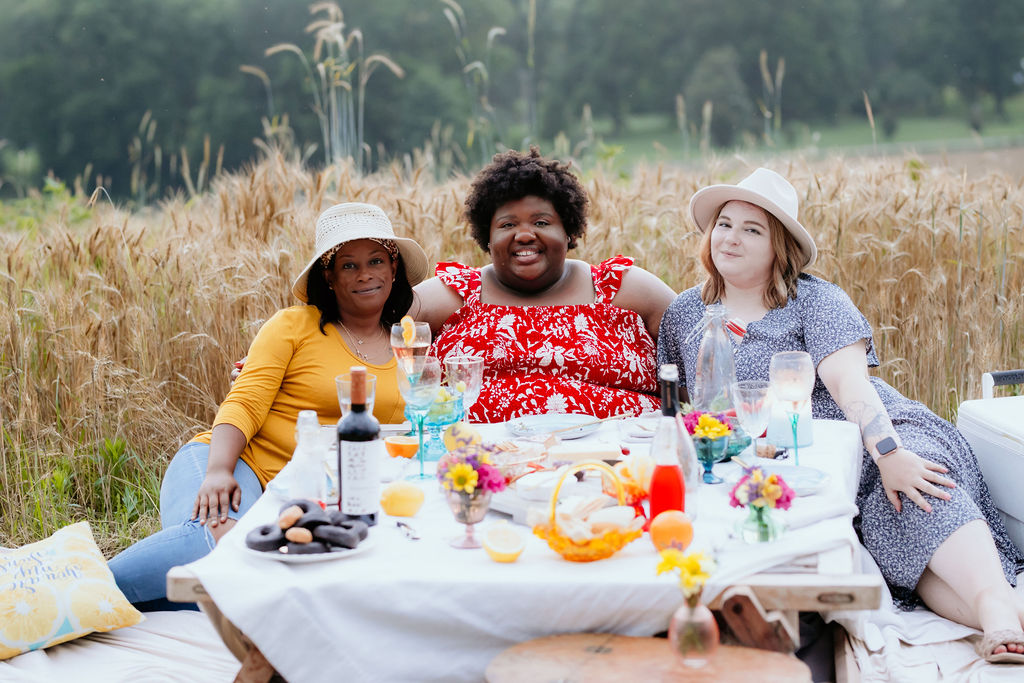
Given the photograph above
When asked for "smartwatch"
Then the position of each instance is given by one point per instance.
(886, 446)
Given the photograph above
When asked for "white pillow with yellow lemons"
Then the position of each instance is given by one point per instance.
(56, 590)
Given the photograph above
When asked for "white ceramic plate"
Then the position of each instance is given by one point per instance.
(539, 425)
(805, 481)
(335, 554)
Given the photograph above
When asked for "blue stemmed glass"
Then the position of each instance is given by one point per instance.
(446, 410)
(419, 381)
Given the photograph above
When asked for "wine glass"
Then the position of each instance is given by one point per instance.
(792, 380)
(469, 371)
(753, 407)
(419, 381)
(416, 345)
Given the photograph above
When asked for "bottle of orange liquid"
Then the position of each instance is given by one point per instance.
(668, 490)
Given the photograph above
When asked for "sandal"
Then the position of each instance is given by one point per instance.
(993, 640)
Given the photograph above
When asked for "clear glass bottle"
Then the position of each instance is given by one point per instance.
(716, 370)
(305, 472)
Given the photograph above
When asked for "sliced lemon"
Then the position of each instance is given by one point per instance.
(503, 543)
(408, 330)
(460, 387)
(401, 446)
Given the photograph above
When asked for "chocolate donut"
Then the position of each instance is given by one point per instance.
(337, 535)
(266, 537)
(306, 548)
(357, 526)
(304, 504)
(313, 519)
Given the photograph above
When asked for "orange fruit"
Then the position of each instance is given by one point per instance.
(671, 529)
(401, 446)
(408, 329)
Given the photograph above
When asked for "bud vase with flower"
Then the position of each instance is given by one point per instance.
(469, 477)
(760, 494)
(711, 434)
(693, 631)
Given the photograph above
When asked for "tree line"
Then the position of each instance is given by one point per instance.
(147, 95)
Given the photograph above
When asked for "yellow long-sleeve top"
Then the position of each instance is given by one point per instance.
(291, 367)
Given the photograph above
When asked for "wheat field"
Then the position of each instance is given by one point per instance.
(120, 326)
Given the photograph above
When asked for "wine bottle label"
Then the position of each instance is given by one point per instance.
(360, 477)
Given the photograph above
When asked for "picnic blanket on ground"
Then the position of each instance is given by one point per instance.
(172, 647)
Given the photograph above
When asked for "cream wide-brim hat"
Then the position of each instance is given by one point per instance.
(354, 221)
(764, 188)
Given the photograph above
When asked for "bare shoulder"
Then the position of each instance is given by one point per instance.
(434, 302)
(646, 294)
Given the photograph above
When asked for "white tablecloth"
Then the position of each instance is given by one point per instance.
(421, 610)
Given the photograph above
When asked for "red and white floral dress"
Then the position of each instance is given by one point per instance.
(596, 359)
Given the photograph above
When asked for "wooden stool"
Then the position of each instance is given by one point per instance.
(598, 657)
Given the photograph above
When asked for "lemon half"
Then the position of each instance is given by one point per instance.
(503, 543)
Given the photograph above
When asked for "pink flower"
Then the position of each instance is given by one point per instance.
(490, 478)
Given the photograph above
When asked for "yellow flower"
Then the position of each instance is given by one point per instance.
(694, 569)
(710, 427)
(461, 477)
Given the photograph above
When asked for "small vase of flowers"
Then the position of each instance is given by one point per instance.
(468, 477)
(693, 631)
(710, 432)
(760, 494)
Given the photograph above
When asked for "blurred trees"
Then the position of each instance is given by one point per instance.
(76, 79)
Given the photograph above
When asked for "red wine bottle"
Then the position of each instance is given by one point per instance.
(358, 456)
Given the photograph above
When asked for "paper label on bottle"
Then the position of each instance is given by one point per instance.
(360, 476)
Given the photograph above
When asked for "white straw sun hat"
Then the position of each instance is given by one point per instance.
(763, 188)
(353, 221)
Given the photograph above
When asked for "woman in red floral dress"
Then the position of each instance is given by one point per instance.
(558, 335)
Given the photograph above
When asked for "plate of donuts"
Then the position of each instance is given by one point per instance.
(332, 553)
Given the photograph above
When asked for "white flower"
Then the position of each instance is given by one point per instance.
(548, 353)
(556, 403)
(580, 322)
(506, 322)
(498, 352)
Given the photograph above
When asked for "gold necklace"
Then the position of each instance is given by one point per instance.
(358, 341)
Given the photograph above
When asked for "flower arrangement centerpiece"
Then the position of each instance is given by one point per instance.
(693, 632)
(760, 493)
(710, 432)
(468, 477)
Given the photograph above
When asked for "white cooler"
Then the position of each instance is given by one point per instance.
(995, 429)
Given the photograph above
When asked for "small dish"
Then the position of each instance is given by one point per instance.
(804, 480)
(334, 554)
(538, 425)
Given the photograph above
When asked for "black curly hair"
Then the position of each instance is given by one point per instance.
(513, 175)
(321, 296)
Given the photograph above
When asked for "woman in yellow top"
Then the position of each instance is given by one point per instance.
(358, 283)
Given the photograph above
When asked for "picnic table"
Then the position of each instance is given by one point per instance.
(421, 610)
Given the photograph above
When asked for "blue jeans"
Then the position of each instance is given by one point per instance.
(141, 570)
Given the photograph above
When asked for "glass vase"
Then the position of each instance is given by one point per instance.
(759, 526)
(693, 634)
(710, 451)
(468, 508)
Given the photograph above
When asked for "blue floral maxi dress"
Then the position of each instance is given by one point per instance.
(820, 320)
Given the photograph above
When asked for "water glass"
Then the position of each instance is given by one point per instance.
(344, 384)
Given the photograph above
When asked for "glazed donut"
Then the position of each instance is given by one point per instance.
(306, 548)
(266, 537)
(336, 535)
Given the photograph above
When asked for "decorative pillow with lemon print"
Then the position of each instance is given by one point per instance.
(57, 590)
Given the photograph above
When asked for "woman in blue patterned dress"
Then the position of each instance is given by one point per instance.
(925, 513)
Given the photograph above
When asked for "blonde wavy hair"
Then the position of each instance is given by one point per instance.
(786, 265)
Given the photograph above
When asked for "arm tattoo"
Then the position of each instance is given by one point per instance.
(874, 424)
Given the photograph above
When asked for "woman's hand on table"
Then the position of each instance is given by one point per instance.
(905, 471)
(218, 493)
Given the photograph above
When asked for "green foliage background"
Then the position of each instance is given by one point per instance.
(76, 78)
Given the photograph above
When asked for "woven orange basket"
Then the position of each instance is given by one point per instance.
(597, 548)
